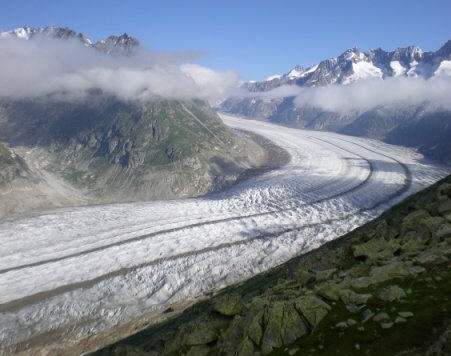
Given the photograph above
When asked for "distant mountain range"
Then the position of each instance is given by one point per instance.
(353, 65)
(99, 148)
(112, 44)
(400, 124)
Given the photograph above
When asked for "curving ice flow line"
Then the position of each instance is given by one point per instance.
(42, 295)
(211, 222)
(84, 270)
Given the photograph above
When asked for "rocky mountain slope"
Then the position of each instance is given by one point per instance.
(105, 150)
(381, 289)
(354, 66)
(10, 166)
(58, 150)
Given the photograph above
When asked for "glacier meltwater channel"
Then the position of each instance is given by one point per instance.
(73, 272)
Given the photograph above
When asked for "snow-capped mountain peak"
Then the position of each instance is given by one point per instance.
(296, 72)
(23, 32)
(354, 65)
(113, 44)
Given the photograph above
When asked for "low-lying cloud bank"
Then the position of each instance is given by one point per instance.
(367, 94)
(45, 66)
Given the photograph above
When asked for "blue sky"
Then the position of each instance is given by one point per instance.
(255, 38)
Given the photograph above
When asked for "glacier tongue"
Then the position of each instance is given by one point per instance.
(79, 271)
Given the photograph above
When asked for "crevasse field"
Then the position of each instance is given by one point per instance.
(78, 271)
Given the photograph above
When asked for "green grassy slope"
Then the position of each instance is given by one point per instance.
(383, 289)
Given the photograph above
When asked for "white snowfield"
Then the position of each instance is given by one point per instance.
(78, 271)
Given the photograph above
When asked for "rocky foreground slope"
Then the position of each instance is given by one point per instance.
(383, 289)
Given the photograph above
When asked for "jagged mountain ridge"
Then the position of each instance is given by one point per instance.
(386, 122)
(355, 64)
(111, 45)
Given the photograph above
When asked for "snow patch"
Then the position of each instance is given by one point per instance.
(363, 70)
(295, 73)
(397, 68)
(276, 76)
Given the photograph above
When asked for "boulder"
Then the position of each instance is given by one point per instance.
(350, 297)
(367, 315)
(234, 334)
(273, 321)
(200, 334)
(246, 348)
(342, 325)
(282, 325)
(410, 222)
(386, 325)
(444, 231)
(395, 269)
(433, 223)
(303, 277)
(293, 325)
(378, 229)
(247, 326)
(391, 293)
(194, 333)
(330, 291)
(376, 249)
(416, 270)
(431, 257)
(324, 275)
(381, 316)
(405, 314)
(253, 320)
(228, 304)
(413, 246)
(312, 308)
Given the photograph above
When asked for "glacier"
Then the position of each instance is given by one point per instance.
(74, 272)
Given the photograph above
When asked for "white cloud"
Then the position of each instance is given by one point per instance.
(370, 93)
(46, 66)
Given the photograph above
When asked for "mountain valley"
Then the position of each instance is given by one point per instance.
(150, 205)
